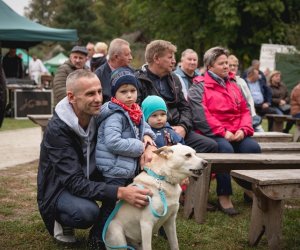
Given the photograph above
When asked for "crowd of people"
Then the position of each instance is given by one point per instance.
(109, 117)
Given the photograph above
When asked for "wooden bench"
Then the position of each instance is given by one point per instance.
(272, 137)
(271, 188)
(197, 191)
(41, 120)
(279, 147)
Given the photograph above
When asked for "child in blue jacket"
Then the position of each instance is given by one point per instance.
(155, 112)
(123, 135)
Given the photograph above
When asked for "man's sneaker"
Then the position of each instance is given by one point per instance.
(64, 234)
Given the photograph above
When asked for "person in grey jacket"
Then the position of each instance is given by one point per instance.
(123, 135)
(77, 60)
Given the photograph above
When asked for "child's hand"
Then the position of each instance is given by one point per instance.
(148, 141)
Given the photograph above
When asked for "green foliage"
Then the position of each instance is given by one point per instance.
(78, 15)
(240, 25)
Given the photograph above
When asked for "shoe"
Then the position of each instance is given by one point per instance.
(62, 234)
(229, 211)
(95, 244)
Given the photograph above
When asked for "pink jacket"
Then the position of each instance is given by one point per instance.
(218, 108)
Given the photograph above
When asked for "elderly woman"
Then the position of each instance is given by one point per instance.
(220, 111)
(280, 95)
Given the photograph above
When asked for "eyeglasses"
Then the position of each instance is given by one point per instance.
(233, 65)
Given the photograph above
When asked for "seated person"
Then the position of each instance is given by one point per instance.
(155, 112)
(233, 63)
(220, 111)
(280, 97)
(13, 65)
(280, 94)
(261, 93)
(295, 101)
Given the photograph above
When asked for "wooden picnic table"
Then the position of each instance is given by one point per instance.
(197, 191)
(271, 188)
(41, 120)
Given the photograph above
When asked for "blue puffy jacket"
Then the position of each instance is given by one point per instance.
(119, 142)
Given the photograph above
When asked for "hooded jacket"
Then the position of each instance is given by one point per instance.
(179, 112)
(67, 162)
(119, 142)
(218, 107)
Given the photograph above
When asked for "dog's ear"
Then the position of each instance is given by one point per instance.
(164, 152)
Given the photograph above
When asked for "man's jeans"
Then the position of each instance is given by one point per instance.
(76, 212)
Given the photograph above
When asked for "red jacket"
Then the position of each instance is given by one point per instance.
(218, 108)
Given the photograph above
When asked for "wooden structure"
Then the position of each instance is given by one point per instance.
(271, 188)
(41, 120)
(272, 137)
(197, 192)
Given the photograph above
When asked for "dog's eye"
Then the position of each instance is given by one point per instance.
(189, 155)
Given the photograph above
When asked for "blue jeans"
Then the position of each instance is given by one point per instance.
(76, 212)
(247, 145)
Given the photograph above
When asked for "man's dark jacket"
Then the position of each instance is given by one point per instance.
(179, 112)
(60, 168)
(104, 73)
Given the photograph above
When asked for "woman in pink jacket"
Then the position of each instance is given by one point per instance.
(220, 111)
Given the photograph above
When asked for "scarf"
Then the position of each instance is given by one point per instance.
(135, 112)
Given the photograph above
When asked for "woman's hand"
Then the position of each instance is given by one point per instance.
(229, 136)
(239, 135)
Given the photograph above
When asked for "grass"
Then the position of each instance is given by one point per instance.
(21, 226)
(11, 124)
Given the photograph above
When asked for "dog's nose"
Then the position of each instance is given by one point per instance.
(204, 164)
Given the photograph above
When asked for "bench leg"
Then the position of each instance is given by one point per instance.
(266, 218)
(273, 221)
(257, 228)
(197, 196)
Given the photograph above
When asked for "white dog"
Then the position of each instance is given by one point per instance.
(135, 227)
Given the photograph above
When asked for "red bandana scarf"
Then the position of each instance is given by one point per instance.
(135, 112)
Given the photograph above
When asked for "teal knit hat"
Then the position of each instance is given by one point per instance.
(152, 104)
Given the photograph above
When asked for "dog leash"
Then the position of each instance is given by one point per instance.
(153, 211)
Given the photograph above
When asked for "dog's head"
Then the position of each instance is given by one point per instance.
(178, 162)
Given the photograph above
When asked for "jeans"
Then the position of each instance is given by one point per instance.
(201, 143)
(76, 212)
(247, 145)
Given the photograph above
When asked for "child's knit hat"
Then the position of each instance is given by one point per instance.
(121, 76)
(152, 104)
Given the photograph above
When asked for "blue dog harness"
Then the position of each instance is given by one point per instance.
(162, 195)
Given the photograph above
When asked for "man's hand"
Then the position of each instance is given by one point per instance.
(229, 136)
(134, 195)
(265, 105)
(179, 130)
(147, 155)
(282, 102)
(239, 135)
